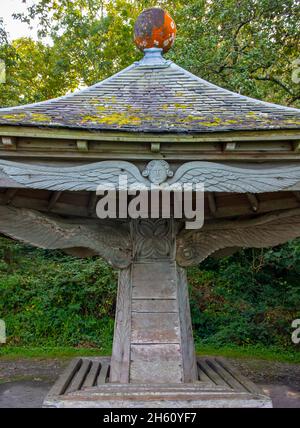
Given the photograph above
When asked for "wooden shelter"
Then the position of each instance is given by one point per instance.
(154, 122)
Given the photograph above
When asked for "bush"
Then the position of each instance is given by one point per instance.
(48, 298)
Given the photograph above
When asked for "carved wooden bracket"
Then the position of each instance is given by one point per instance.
(264, 231)
(80, 237)
(121, 243)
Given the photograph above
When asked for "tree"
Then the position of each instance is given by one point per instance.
(248, 46)
(34, 72)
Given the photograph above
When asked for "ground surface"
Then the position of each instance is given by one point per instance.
(25, 382)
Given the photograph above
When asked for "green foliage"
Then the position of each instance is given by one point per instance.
(47, 298)
(246, 301)
(249, 298)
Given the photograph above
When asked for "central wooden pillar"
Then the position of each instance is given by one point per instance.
(153, 339)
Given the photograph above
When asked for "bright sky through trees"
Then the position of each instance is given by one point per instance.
(15, 27)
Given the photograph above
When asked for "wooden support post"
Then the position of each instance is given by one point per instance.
(153, 341)
(297, 195)
(212, 203)
(9, 142)
(53, 199)
(297, 146)
(82, 145)
(230, 147)
(253, 201)
(92, 204)
(9, 195)
(155, 147)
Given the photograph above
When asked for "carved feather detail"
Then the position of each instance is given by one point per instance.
(216, 177)
(195, 246)
(227, 178)
(109, 241)
(75, 178)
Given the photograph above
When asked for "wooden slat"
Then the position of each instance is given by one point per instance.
(64, 380)
(202, 376)
(91, 378)
(211, 373)
(80, 376)
(104, 373)
(250, 386)
(226, 375)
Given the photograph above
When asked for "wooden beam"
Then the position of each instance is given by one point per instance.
(82, 145)
(297, 195)
(92, 204)
(71, 134)
(9, 195)
(9, 142)
(212, 203)
(297, 146)
(53, 199)
(155, 147)
(253, 201)
(229, 147)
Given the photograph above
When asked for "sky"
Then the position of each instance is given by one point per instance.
(14, 27)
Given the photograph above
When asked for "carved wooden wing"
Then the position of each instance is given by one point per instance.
(195, 246)
(50, 232)
(227, 178)
(87, 177)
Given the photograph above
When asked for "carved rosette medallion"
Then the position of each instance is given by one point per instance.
(153, 239)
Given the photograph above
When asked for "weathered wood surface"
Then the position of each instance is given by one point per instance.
(216, 177)
(189, 366)
(79, 204)
(155, 324)
(218, 385)
(264, 231)
(154, 305)
(108, 240)
(111, 240)
(157, 327)
(154, 281)
(120, 363)
(69, 134)
(156, 363)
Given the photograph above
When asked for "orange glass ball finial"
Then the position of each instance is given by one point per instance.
(154, 28)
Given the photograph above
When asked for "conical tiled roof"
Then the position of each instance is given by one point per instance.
(154, 95)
